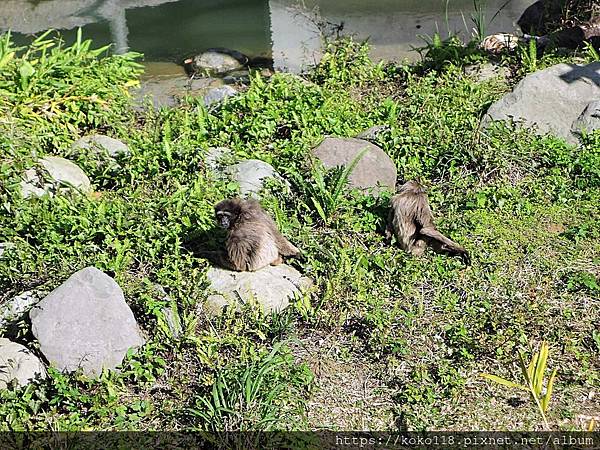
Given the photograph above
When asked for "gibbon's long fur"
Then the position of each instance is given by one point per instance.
(253, 240)
(411, 220)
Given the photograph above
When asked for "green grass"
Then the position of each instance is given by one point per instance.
(408, 334)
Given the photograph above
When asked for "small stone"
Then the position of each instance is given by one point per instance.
(5, 247)
(375, 170)
(59, 174)
(85, 322)
(17, 364)
(100, 143)
(220, 60)
(486, 72)
(16, 307)
(498, 43)
(272, 287)
(251, 175)
(218, 94)
(589, 120)
(237, 77)
(371, 134)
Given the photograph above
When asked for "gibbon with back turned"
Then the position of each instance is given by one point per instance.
(411, 220)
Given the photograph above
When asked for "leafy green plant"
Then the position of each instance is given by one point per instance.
(528, 55)
(346, 61)
(326, 188)
(478, 19)
(533, 375)
(592, 53)
(248, 398)
(48, 85)
(438, 53)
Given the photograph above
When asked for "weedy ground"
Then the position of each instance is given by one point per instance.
(385, 340)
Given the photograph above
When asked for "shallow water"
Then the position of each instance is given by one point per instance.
(285, 30)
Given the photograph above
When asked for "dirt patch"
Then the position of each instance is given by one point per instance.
(348, 393)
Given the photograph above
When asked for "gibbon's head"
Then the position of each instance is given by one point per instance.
(227, 212)
(411, 186)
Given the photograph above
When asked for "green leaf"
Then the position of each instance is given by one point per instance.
(503, 381)
(540, 368)
(548, 395)
(26, 69)
(6, 58)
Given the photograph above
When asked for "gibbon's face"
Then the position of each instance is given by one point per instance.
(224, 219)
(226, 213)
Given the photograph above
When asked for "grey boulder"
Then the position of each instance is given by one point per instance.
(218, 94)
(271, 287)
(375, 170)
(549, 100)
(19, 365)
(251, 175)
(56, 174)
(589, 120)
(85, 323)
(220, 60)
(100, 143)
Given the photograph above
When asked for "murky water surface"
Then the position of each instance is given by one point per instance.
(285, 30)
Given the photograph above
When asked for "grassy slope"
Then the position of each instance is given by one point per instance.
(386, 339)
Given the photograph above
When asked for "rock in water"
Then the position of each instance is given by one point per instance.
(375, 170)
(85, 323)
(18, 363)
(218, 94)
(589, 120)
(220, 60)
(60, 174)
(100, 143)
(251, 175)
(551, 99)
(271, 287)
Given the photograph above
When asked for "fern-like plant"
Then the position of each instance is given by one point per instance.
(325, 189)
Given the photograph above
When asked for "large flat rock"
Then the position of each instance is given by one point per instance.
(220, 60)
(550, 100)
(271, 287)
(85, 323)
